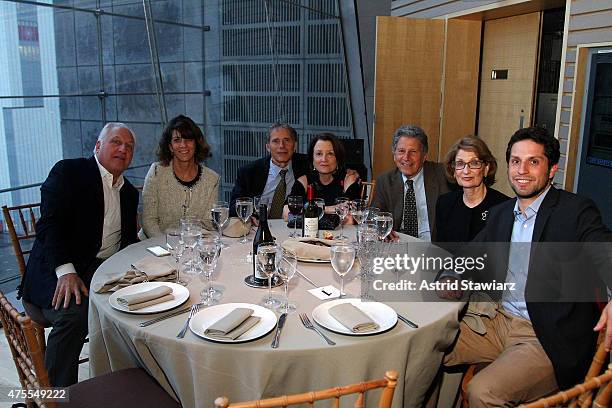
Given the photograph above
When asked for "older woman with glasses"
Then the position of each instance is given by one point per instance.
(178, 184)
(462, 213)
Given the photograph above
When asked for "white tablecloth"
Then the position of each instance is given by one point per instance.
(196, 371)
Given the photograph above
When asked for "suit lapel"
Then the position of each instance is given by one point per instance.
(262, 178)
(397, 189)
(97, 192)
(544, 213)
(431, 190)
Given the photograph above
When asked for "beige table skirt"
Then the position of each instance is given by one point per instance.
(196, 371)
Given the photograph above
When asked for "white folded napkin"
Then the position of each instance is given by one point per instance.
(310, 248)
(150, 268)
(232, 325)
(146, 298)
(353, 318)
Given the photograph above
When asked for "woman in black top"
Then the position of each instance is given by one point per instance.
(329, 176)
(461, 214)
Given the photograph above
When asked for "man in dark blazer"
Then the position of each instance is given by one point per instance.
(88, 212)
(541, 338)
(427, 180)
(263, 176)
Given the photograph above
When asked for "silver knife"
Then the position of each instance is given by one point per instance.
(164, 317)
(279, 328)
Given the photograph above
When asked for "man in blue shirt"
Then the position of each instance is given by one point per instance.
(536, 345)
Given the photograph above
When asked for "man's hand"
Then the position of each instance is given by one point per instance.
(449, 294)
(67, 286)
(605, 321)
(392, 237)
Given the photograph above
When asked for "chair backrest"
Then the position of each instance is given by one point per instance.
(367, 191)
(596, 390)
(388, 384)
(21, 223)
(26, 350)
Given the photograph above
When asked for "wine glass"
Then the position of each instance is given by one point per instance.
(342, 258)
(286, 270)
(220, 217)
(176, 248)
(268, 259)
(191, 231)
(296, 204)
(341, 208)
(384, 224)
(366, 238)
(321, 204)
(244, 209)
(209, 253)
(357, 210)
(256, 202)
(370, 213)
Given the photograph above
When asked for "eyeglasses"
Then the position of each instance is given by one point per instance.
(474, 164)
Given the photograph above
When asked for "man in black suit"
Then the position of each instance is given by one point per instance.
(541, 339)
(263, 176)
(411, 190)
(88, 212)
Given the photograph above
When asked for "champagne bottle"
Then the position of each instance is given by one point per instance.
(310, 226)
(262, 236)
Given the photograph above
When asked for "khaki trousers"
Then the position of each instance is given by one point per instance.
(520, 370)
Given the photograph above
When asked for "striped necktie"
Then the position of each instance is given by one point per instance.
(276, 208)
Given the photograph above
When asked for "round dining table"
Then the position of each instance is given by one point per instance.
(195, 371)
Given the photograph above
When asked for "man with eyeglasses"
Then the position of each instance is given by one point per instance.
(87, 213)
(272, 176)
(411, 190)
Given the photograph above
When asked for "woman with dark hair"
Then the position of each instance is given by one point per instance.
(329, 175)
(462, 213)
(178, 184)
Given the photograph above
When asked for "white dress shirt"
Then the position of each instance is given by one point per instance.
(111, 230)
(421, 203)
(273, 180)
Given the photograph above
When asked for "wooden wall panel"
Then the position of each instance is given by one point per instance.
(509, 43)
(460, 95)
(409, 57)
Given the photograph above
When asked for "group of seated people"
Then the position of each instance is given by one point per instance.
(88, 212)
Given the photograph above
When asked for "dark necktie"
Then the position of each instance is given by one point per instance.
(276, 208)
(410, 221)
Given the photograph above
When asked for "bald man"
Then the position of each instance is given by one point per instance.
(88, 212)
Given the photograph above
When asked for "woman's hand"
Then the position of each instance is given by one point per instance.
(351, 177)
(286, 213)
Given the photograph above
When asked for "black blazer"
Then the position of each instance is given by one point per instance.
(70, 226)
(565, 329)
(252, 177)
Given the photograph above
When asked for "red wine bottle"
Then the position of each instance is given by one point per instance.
(310, 226)
(262, 236)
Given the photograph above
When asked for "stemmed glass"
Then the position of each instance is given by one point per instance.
(296, 204)
(268, 259)
(209, 251)
(191, 231)
(256, 202)
(384, 224)
(366, 239)
(244, 209)
(370, 213)
(286, 270)
(342, 258)
(321, 204)
(357, 210)
(176, 248)
(220, 217)
(342, 209)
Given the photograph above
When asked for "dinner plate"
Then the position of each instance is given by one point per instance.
(206, 317)
(379, 312)
(181, 294)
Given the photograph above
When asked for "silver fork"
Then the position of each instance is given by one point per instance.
(194, 309)
(306, 322)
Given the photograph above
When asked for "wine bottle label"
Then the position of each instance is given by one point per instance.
(311, 227)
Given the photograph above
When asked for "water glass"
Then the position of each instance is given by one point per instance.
(176, 248)
(342, 209)
(208, 251)
(220, 217)
(268, 259)
(244, 209)
(342, 259)
(370, 213)
(357, 209)
(296, 205)
(321, 204)
(384, 224)
(191, 231)
(286, 270)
